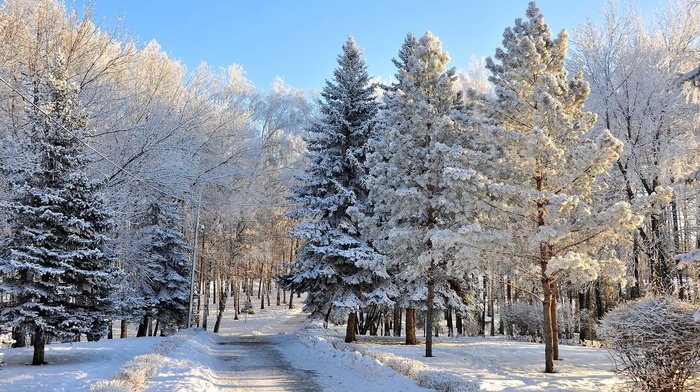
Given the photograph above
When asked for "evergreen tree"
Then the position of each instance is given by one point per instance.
(545, 174)
(336, 265)
(165, 267)
(55, 264)
(409, 154)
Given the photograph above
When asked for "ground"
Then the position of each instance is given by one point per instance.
(278, 349)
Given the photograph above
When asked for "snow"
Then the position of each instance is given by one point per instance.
(277, 348)
(72, 366)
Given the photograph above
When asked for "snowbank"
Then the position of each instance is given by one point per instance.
(426, 376)
(134, 375)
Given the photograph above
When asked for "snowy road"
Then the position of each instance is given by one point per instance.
(264, 353)
(253, 363)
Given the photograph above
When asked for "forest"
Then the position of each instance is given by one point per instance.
(538, 192)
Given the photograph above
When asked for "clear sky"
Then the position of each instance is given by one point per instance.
(300, 40)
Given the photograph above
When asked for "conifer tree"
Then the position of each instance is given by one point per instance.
(336, 265)
(409, 154)
(55, 263)
(545, 174)
(164, 265)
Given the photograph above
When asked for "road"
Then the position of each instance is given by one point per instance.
(253, 363)
(263, 352)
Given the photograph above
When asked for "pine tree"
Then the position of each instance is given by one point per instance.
(165, 267)
(545, 175)
(336, 265)
(55, 263)
(410, 151)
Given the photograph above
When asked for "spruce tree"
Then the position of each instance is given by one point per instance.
(336, 265)
(55, 264)
(409, 155)
(164, 265)
(544, 181)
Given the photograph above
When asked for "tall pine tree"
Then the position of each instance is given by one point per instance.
(545, 182)
(409, 155)
(336, 265)
(55, 264)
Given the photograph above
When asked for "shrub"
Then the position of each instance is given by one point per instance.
(523, 319)
(655, 342)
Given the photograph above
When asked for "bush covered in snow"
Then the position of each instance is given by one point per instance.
(523, 319)
(655, 342)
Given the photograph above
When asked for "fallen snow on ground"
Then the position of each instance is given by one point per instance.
(204, 361)
(498, 364)
(71, 366)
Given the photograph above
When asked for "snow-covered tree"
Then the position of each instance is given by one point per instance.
(632, 67)
(164, 266)
(410, 151)
(336, 265)
(547, 168)
(55, 263)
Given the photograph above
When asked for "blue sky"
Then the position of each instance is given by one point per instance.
(299, 40)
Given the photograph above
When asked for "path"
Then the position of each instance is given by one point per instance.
(243, 357)
(263, 353)
(253, 363)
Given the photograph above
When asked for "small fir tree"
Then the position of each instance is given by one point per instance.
(336, 265)
(164, 261)
(55, 265)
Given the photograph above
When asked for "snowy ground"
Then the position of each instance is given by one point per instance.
(279, 349)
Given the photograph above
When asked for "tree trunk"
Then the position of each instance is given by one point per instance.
(351, 328)
(291, 300)
(328, 316)
(548, 332)
(555, 323)
(205, 314)
(397, 320)
(39, 347)
(199, 291)
(429, 314)
(19, 337)
(143, 327)
(600, 310)
(124, 330)
(261, 293)
(492, 310)
(269, 291)
(636, 289)
(262, 283)
(411, 326)
(387, 324)
(482, 326)
(237, 300)
(222, 306)
(450, 326)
